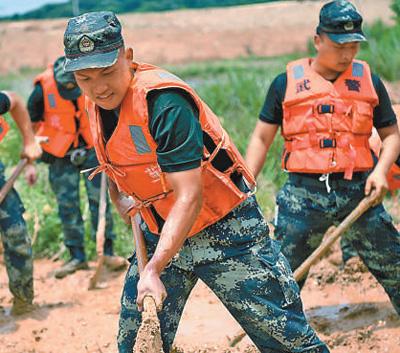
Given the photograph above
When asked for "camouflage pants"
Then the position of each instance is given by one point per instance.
(64, 179)
(306, 210)
(236, 258)
(17, 244)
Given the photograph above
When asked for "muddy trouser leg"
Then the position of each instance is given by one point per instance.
(93, 192)
(304, 215)
(178, 283)
(378, 244)
(17, 245)
(64, 180)
(254, 281)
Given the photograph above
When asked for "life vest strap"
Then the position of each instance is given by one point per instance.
(341, 142)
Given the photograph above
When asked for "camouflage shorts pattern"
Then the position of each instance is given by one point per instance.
(236, 259)
(17, 244)
(306, 210)
(64, 179)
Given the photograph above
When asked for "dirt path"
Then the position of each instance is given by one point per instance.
(187, 35)
(347, 307)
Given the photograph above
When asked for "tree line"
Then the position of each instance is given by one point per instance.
(121, 6)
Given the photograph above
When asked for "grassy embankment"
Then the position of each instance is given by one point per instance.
(234, 89)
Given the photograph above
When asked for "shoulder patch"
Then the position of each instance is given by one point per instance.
(298, 72)
(358, 70)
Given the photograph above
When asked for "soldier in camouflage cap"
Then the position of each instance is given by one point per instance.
(341, 22)
(326, 107)
(141, 113)
(99, 47)
(57, 106)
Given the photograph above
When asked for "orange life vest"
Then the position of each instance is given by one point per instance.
(3, 127)
(60, 118)
(326, 125)
(129, 157)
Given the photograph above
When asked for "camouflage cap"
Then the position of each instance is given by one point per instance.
(66, 83)
(341, 21)
(92, 40)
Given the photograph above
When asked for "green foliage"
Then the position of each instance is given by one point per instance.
(395, 6)
(121, 6)
(382, 51)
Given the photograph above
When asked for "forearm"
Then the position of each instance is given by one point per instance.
(256, 155)
(21, 117)
(389, 153)
(174, 233)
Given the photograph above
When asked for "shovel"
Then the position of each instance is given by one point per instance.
(10, 182)
(331, 235)
(17, 171)
(148, 339)
(100, 233)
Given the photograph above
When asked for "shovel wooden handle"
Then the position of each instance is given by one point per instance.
(140, 244)
(331, 235)
(100, 233)
(10, 182)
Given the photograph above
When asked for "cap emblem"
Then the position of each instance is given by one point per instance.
(349, 26)
(86, 45)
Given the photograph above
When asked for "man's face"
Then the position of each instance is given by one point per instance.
(334, 56)
(107, 86)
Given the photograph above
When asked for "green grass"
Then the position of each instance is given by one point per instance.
(234, 89)
(382, 51)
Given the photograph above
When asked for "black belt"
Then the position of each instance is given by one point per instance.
(335, 179)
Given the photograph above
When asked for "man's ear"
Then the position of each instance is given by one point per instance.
(317, 41)
(129, 54)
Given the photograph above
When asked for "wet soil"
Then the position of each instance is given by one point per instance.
(347, 307)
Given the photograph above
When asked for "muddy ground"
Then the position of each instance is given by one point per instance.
(347, 307)
(187, 35)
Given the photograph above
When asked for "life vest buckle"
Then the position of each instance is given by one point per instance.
(325, 108)
(327, 143)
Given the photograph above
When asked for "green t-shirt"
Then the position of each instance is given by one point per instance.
(174, 126)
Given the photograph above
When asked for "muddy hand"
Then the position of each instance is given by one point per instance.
(31, 151)
(151, 285)
(376, 186)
